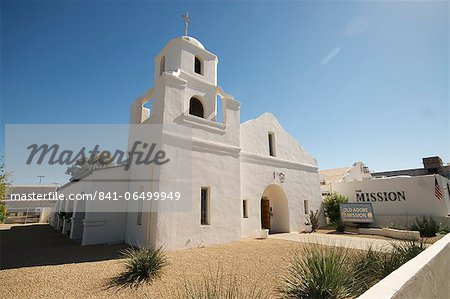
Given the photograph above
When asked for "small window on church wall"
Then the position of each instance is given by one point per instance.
(162, 65)
(204, 206)
(245, 208)
(196, 107)
(306, 206)
(198, 66)
(271, 144)
(140, 207)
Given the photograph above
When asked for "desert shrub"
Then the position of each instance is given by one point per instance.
(321, 272)
(220, 285)
(2, 212)
(374, 265)
(407, 249)
(331, 207)
(426, 226)
(334, 272)
(141, 265)
(339, 226)
(313, 219)
(368, 263)
(444, 229)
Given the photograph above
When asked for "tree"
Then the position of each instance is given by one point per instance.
(84, 166)
(4, 183)
(331, 207)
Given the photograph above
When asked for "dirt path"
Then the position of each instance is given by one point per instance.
(71, 271)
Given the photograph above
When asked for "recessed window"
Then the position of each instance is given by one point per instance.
(140, 207)
(162, 65)
(245, 208)
(198, 66)
(306, 206)
(196, 107)
(271, 144)
(204, 206)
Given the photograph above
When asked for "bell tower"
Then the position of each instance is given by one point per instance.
(186, 91)
(187, 60)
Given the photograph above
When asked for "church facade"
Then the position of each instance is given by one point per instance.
(245, 177)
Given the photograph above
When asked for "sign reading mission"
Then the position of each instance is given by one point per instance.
(356, 212)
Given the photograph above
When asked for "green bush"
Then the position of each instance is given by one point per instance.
(444, 229)
(321, 272)
(141, 265)
(313, 220)
(220, 285)
(331, 207)
(426, 226)
(2, 213)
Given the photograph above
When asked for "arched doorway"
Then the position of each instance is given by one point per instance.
(275, 210)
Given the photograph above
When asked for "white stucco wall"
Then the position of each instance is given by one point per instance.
(98, 224)
(425, 276)
(220, 174)
(257, 168)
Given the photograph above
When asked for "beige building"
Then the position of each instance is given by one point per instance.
(396, 197)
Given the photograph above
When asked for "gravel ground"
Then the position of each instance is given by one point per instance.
(252, 261)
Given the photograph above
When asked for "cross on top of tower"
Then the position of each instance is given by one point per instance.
(187, 19)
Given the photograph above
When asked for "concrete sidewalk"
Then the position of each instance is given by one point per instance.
(338, 240)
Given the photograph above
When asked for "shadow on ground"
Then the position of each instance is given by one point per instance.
(39, 245)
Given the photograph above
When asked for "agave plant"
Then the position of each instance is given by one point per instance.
(321, 272)
(220, 285)
(141, 265)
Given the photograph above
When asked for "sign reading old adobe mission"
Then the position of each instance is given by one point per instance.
(356, 212)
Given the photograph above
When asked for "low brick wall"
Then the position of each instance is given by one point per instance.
(425, 276)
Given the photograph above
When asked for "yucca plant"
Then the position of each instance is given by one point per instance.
(318, 271)
(313, 220)
(408, 249)
(426, 226)
(374, 265)
(220, 285)
(141, 265)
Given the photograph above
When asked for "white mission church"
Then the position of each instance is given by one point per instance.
(245, 176)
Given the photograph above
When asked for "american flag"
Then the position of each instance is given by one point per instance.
(437, 190)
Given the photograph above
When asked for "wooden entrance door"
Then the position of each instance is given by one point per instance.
(265, 213)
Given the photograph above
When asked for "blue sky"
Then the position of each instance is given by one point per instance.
(350, 80)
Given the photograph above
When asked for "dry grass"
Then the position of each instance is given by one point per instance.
(252, 261)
